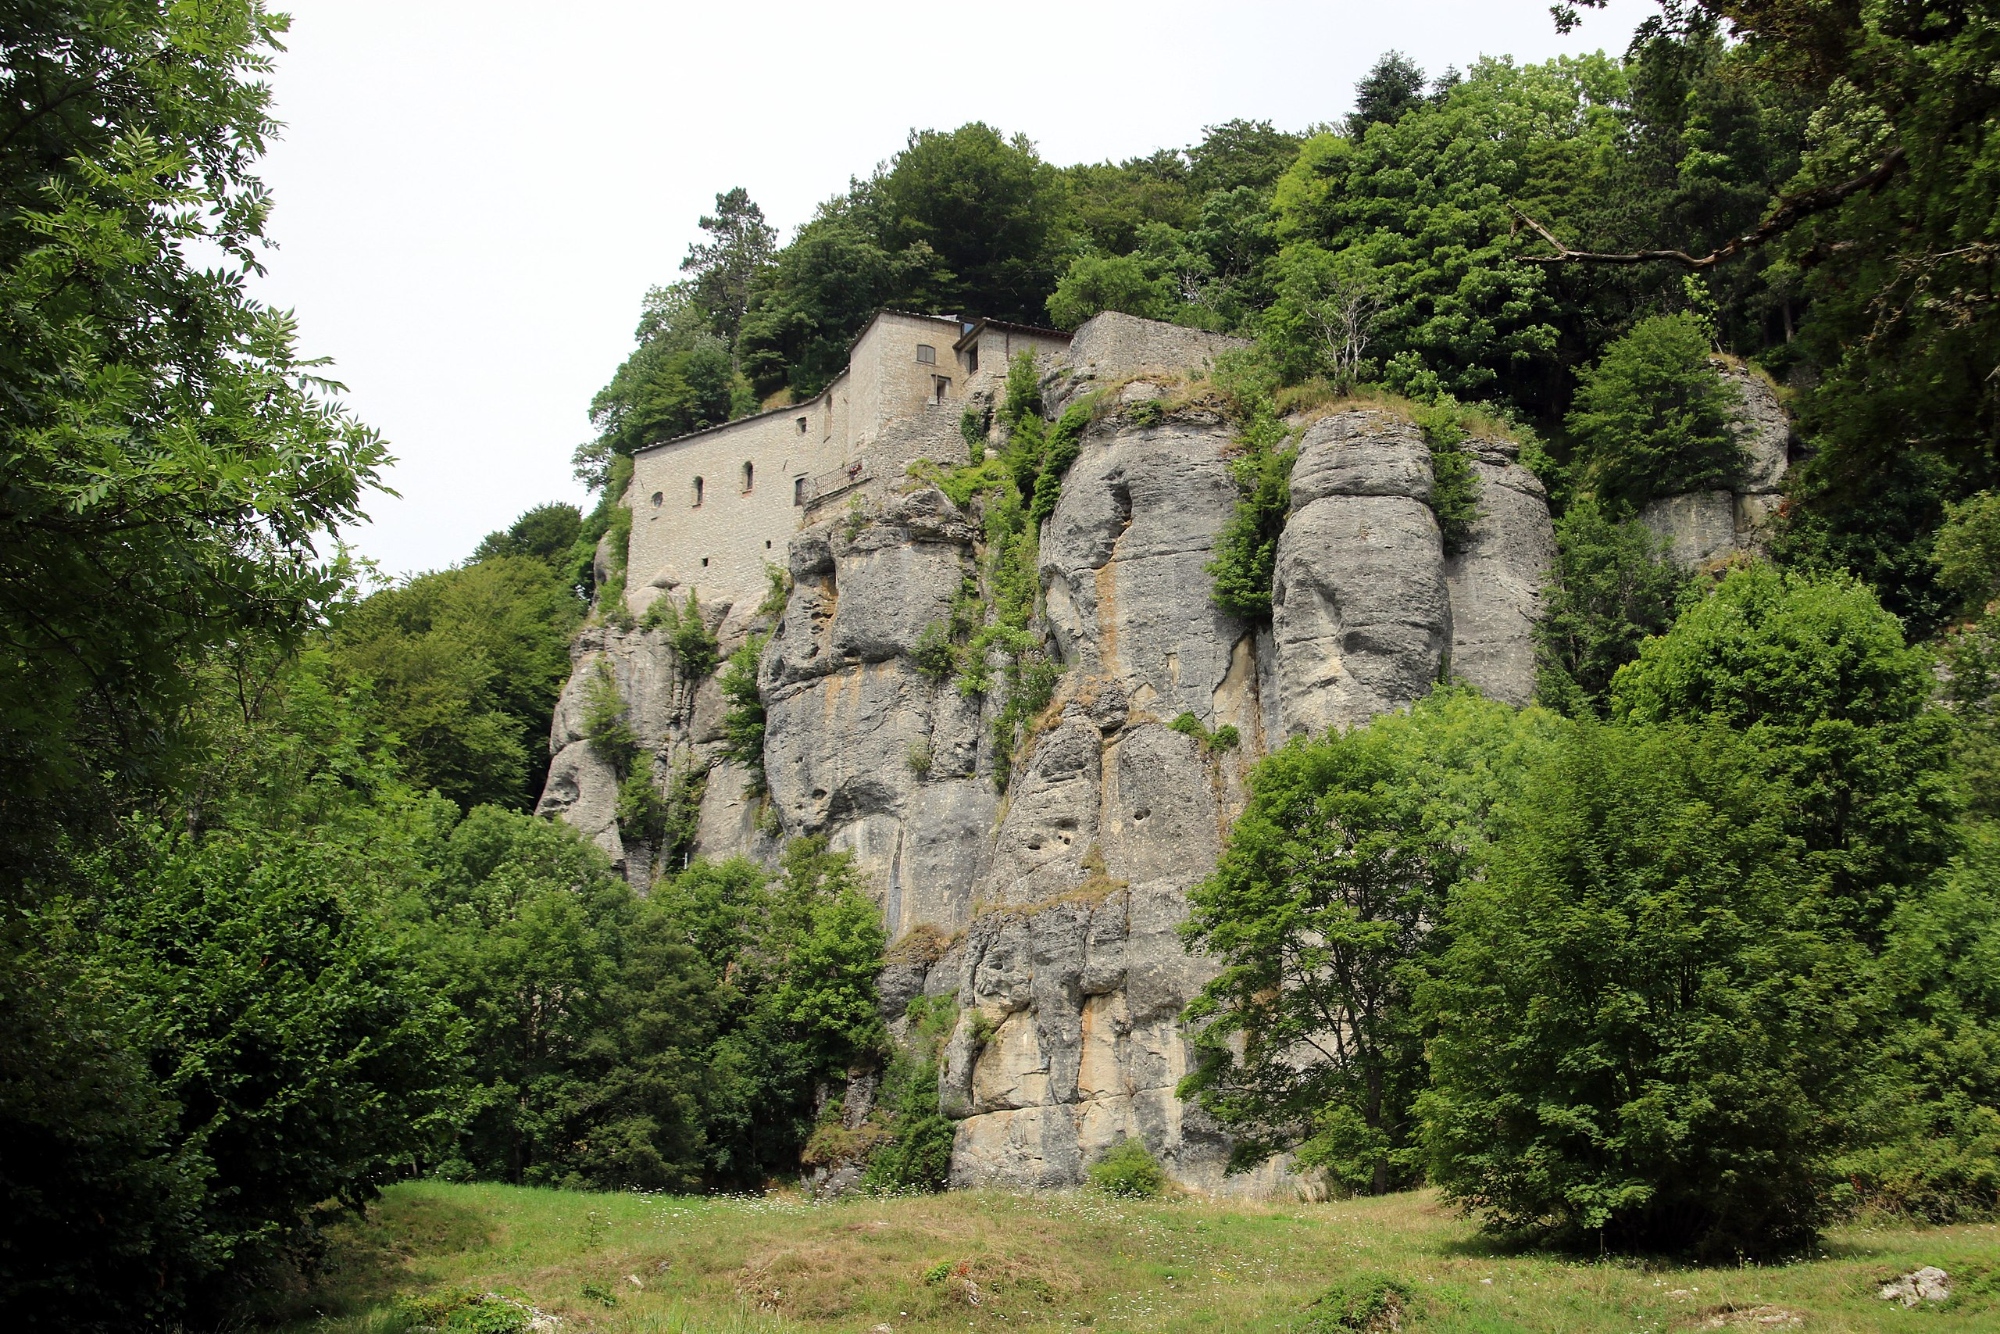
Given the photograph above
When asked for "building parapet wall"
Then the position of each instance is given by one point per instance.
(1114, 346)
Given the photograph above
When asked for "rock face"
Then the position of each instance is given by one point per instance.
(1705, 527)
(1368, 611)
(675, 720)
(1049, 912)
(862, 746)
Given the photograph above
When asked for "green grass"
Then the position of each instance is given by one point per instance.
(1079, 1260)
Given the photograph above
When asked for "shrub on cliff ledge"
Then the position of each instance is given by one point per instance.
(1654, 418)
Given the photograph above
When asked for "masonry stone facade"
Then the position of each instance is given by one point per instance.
(709, 510)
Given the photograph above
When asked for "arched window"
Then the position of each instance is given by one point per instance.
(697, 493)
(748, 476)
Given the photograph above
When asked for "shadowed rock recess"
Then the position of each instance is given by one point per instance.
(1048, 912)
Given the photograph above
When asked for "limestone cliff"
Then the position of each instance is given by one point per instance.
(1052, 907)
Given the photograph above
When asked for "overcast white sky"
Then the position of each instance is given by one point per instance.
(473, 195)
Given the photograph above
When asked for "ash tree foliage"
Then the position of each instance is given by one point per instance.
(1817, 675)
(1612, 588)
(176, 474)
(1327, 912)
(1639, 1035)
(1677, 981)
(173, 466)
(673, 1042)
(464, 665)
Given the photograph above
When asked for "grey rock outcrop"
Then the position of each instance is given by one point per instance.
(1703, 527)
(1049, 913)
(1124, 561)
(1112, 347)
(661, 704)
(1495, 579)
(860, 744)
(1359, 608)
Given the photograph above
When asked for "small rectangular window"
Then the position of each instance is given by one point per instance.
(798, 490)
(972, 360)
(926, 354)
(802, 426)
(941, 387)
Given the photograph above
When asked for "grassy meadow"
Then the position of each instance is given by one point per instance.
(1076, 1260)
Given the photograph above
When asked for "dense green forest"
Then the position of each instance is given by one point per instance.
(1698, 953)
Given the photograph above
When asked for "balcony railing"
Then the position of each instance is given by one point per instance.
(823, 486)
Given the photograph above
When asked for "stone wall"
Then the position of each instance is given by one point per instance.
(1112, 347)
(720, 547)
(882, 412)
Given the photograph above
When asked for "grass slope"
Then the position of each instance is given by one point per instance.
(1064, 1261)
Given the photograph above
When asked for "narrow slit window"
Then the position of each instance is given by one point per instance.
(659, 499)
(802, 426)
(697, 493)
(926, 354)
(972, 360)
(798, 490)
(749, 476)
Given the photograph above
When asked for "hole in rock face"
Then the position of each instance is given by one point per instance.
(1140, 814)
(819, 794)
(1035, 845)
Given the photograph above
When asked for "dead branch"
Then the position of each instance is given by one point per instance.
(1791, 210)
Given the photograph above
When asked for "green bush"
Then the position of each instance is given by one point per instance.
(1967, 551)
(1129, 1169)
(973, 424)
(1612, 587)
(1653, 418)
(1366, 1303)
(1096, 283)
(686, 631)
(1329, 900)
(1454, 485)
(1931, 1143)
(1059, 451)
(934, 654)
(1641, 1038)
(461, 1312)
(464, 668)
(1837, 706)
(917, 1156)
(743, 721)
(617, 525)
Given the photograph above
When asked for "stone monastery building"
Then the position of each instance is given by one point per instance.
(710, 509)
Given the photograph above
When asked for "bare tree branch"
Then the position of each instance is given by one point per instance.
(1791, 210)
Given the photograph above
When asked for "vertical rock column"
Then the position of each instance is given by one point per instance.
(1361, 614)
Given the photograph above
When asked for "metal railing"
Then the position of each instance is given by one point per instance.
(822, 486)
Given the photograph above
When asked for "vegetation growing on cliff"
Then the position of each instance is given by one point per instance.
(1700, 966)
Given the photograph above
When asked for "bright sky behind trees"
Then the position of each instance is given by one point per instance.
(473, 195)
